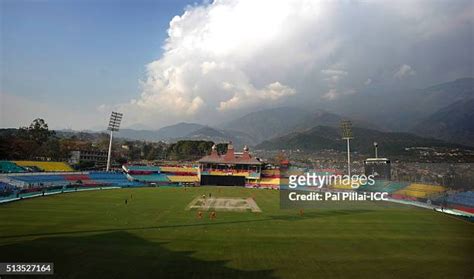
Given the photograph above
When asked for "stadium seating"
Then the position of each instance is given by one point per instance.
(76, 177)
(116, 179)
(45, 166)
(150, 178)
(88, 179)
(162, 174)
(38, 179)
(395, 186)
(16, 186)
(417, 190)
(464, 198)
(179, 169)
(227, 172)
(183, 178)
(269, 182)
(342, 186)
(138, 169)
(383, 186)
(6, 187)
(271, 173)
(10, 167)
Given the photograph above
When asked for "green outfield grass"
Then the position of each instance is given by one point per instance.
(93, 234)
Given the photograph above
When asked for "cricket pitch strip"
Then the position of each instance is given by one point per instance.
(224, 204)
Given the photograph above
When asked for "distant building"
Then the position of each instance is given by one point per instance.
(230, 169)
(378, 167)
(97, 156)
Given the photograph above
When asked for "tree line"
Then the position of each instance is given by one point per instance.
(38, 142)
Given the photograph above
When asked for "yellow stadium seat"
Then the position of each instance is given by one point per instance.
(179, 169)
(183, 178)
(418, 190)
(343, 186)
(270, 181)
(45, 166)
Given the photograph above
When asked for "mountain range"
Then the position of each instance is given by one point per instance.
(454, 123)
(325, 137)
(443, 112)
(403, 109)
(166, 133)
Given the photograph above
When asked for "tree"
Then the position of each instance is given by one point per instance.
(38, 131)
(221, 148)
(189, 149)
(21, 148)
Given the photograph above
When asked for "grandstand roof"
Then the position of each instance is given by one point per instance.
(377, 160)
(230, 157)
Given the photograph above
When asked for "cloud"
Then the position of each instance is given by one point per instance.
(405, 70)
(233, 56)
(334, 94)
(249, 97)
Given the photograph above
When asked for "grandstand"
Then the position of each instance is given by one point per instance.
(44, 166)
(463, 201)
(183, 178)
(10, 167)
(419, 191)
(181, 175)
(140, 169)
(383, 186)
(150, 178)
(6, 188)
(162, 175)
(29, 180)
(179, 170)
(22, 185)
(269, 182)
(342, 186)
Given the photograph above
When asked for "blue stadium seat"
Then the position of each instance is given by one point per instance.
(463, 198)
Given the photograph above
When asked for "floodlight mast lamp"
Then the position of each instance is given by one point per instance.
(346, 130)
(114, 126)
(376, 145)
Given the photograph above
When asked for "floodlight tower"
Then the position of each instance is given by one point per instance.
(376, 146)
(114, 125)
(346, 131)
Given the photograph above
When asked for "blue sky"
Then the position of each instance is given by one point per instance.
(81, 53)
(72, 62)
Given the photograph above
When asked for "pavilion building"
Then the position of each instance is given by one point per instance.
(230, 169)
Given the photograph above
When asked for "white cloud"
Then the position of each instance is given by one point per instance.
(237, 55)
(403, 71)
(334, 93)
(331, 94)
(248, 97)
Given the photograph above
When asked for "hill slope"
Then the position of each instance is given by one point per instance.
(453, 123)
(402, 109)
(324, 137)
(271, 123)
(268, 123)
(218, 135)
(165, 133)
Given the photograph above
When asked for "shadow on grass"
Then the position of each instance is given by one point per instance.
(118, 255)
(287, 217)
